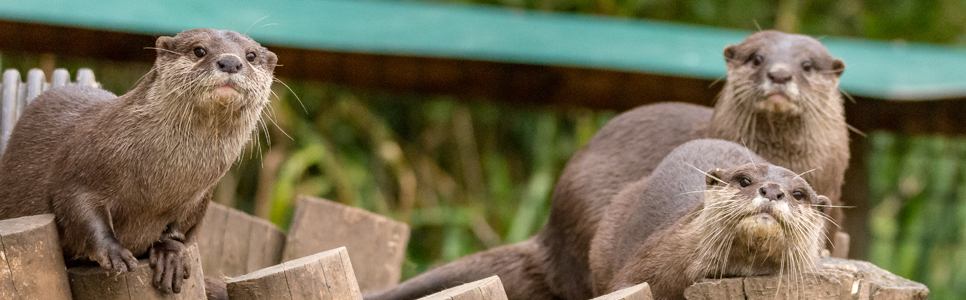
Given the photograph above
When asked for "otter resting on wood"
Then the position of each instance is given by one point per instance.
(743, 217)
(781, 101)
(132, 175)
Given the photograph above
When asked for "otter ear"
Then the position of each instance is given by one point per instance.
(713, 177)
(271, 60)
(823, 204)
(730, 52)
(838, 66)
(164, 44)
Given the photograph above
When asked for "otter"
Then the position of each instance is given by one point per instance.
(132, 175)
(781, 100)
(743, 217)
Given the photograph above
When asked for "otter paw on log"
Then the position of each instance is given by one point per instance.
(326, 275)
(94, 283)
(490, 288)
(31, 263)
(377, 244)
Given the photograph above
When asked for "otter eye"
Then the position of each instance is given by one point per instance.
(200, 52)
(744, 181)
(756, 59)
(807, 66)
(798, 195)
(250, 56)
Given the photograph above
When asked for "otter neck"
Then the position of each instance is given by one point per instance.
(184, 111)
(792, 141)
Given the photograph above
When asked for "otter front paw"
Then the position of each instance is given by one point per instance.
(171, 265)
(115, 257)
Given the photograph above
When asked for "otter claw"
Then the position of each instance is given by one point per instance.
(117, 259)
(170, 265)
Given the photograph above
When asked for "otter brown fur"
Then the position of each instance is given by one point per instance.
(744, 217)
(132, 175)
(801, 127)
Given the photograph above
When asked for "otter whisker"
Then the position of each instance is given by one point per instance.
(253, 24)
(162, 49)
(705, 173)
(803, 173)
(294, 94)
(856, 130)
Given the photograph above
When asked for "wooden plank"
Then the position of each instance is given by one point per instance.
(211, 237)
(638, 292)
(490, 288)
(234, 251)
(33, 264)
(325, 275)
(96, 283)
(321, 225)
(235, 243)
(265, 249)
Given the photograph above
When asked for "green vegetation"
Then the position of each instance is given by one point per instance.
(468, 174)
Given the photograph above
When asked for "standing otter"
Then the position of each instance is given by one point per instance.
(132, 175)
(781, 101)
(744, 218)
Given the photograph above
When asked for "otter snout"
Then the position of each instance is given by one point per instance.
(229, 64)
(772, 192)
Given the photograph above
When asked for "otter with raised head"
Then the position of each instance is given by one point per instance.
(781, 100)
(132, 175)
(743, 217)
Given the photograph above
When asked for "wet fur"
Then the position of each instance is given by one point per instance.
(132, 175)
(807, 136)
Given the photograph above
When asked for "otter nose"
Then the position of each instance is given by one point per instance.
(229, 64)
(779, 77)
(771, 192)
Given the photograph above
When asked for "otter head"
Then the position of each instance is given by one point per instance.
(758, 219)
(778, 73)
(212, 71)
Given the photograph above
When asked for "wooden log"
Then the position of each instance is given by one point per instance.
(31, 262)
(490, 288)
(638, 292)
(837, 279)
(376, 244)
(233, 243)
(96, 283)
(326, 275)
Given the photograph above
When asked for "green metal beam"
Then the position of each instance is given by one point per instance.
(882, 70)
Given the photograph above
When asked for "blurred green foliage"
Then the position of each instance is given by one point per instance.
(468, 174)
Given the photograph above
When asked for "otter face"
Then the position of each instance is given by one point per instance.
(224, 70)
(764, 213)
(781, 73)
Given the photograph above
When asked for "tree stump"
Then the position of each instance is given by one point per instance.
(638, 292)
(326, 275)
(96, 283)
(31, 262)
(375, 243)
(837, 279)
(490, 288)
(233, 243)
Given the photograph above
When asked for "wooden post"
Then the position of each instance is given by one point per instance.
(837, 279)
(490, 288)
(233, 243)
(326, 275)
(31, 262)
(96, 283)
(376, 244)
(638, 292)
